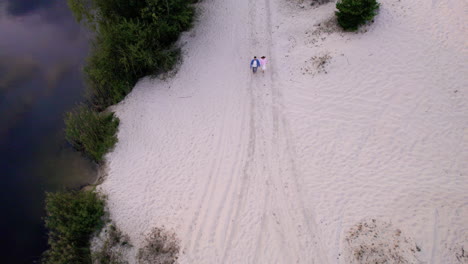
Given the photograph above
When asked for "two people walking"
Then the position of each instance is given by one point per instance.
(255, 63)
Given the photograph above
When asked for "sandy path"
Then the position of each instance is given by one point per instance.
(278, 167)
(250, 215)
(268, 194)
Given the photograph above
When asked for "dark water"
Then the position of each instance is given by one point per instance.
(42, 51)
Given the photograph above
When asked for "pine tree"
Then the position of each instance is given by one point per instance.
(353, 13)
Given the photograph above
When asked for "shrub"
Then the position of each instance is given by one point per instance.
(71, 218)
(91, 132)
(114, 243)
(134, 38)
(353, 13)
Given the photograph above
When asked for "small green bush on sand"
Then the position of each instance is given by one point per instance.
(71, 218)
(353, 13)
(91, 132)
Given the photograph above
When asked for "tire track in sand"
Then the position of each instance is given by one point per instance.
(266, 221)
(292, 223)
(223, 181)
(284, 231)
(248, 169)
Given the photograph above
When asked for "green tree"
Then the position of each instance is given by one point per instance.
(71, 218)
(353, 13)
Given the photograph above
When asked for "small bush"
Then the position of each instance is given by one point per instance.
(353, 13)
(71, 218)
(91, 132)
(161, 248)
(114, 243)
(113, 240)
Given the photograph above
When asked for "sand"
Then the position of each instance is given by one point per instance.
(350, 148)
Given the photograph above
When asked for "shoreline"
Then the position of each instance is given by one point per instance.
(144, 45)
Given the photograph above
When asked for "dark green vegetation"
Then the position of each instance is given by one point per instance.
(134, 38)
(71, 219)
(353, 13)
(91, 132)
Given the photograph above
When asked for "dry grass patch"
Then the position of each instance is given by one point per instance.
(161, 247)
(316, 65)
(373, 241)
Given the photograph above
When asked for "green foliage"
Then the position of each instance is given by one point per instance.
(134, 38)
(91, 132)
(71, 218)
(353, 13)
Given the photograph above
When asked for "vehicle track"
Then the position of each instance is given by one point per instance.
(251, 210)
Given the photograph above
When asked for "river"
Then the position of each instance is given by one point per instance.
(42, 52)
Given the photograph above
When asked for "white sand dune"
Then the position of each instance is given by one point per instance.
(291, 166)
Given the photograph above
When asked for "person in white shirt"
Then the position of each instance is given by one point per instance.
(263, 62)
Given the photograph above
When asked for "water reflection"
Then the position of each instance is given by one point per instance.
(41, 53)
